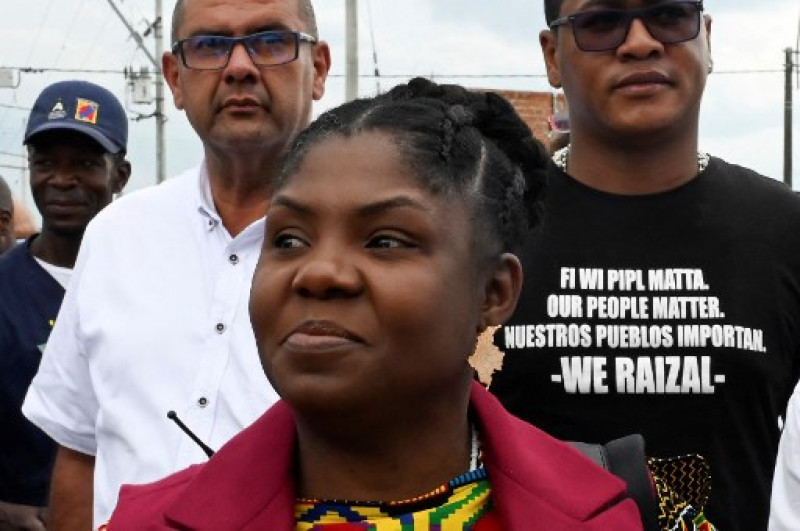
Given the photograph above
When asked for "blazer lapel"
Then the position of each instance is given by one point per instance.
(247, 484)
(532, 473)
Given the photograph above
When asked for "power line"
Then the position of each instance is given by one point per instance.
(39, 70)
(12, 167)
(89, 53)
(374, 48)
(39, 30)
(9, 154)
(69, 31)
(437, 75)
(763, 71)
(135, 35)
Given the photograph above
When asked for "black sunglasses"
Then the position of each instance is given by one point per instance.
(606, 29)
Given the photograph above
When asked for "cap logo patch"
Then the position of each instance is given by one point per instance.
(57, 111)
(86, 111)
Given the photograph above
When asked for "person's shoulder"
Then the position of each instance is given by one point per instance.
(11, 265)
(150, 207)
(15, 258)
(543, 471)
(753, 202)
(144, 506)
(179, 188)
(747, 182)
(12, 255)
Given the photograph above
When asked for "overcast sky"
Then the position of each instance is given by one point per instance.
(491, 44)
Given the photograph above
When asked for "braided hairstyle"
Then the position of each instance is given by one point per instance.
(470, 144)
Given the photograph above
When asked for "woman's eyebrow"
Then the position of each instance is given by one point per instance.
(401, 201)
(369, 209)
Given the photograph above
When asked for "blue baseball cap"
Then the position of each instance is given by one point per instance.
(80, 106)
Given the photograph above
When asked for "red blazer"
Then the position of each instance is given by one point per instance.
(538, 483)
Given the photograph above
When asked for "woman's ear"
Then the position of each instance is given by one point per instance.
(502, 287)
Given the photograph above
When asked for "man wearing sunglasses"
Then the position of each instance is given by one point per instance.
(156, 315)
(662, 295)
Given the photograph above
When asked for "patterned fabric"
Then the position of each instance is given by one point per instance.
(464, 504)
(683, 485)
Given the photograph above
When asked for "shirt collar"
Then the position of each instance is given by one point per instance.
(210, 216)
(205, 202)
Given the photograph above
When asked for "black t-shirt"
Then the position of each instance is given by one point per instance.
(674, 315)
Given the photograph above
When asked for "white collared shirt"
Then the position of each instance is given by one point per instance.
(155, 319)
(784, 512)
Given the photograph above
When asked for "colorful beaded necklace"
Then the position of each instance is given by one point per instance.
(461, 501)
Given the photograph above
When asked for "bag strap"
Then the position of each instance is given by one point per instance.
(625, 458)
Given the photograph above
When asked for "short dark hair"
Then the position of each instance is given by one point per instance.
(470, 144)
(552, 8)
(305, 7)
(309, 17)
(177, 20)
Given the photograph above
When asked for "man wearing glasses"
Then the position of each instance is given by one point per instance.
(156, 315)
(662, 295)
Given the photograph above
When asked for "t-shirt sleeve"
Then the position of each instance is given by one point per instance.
(785, 505)
(61, 400)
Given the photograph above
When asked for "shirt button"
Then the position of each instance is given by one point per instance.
(202, 401)
(220, 328)
(233, 259)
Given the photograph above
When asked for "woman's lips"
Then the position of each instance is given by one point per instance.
(300, 341)
(320, 335)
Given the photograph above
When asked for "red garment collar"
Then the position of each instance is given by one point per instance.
(248, 484)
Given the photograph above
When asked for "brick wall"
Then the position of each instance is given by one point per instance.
(535, 108)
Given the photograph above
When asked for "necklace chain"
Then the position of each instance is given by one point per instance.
(475, 449)
(476, 471)
(561, 158)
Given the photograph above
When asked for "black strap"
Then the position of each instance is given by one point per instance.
(625, 458)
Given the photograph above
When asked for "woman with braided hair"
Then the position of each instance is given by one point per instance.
(388, 250)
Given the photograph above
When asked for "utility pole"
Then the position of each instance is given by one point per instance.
(787, 120)
(156, 62)
(161, 119)
(351, 45)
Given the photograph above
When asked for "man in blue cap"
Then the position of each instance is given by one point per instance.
(76, 138)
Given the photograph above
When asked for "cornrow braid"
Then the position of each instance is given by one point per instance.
(498, 122)
(472, 144)
(447, 138)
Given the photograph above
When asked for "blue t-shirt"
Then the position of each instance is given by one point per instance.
(29, 301)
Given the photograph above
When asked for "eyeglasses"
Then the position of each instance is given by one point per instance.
(606, 29)
(267, 48)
